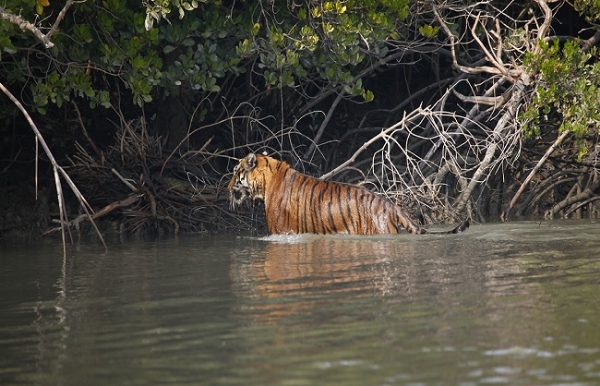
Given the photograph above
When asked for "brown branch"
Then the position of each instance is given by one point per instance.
(483, 100)
(495, 61)
(324, 124)
(495, 138)
(504, 215)
(545, 27)
(103, 212)
(497, 70)
(85, 132)
(59, 18)
(578, 206)
(587, 45)
(368, 143)
(541, 190)
(26, 26)
(584, 195)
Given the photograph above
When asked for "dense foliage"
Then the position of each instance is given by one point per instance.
(110, 53)
(568, 85)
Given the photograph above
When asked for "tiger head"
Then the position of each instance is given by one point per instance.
(250, 178)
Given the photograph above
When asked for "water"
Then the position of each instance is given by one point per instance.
(514, 303)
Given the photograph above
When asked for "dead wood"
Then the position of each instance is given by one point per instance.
(551, 149)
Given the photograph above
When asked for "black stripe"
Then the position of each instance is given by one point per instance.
(341, 208)
(369, 217)
(320, 211)
(302, 224)
(298, 198)
(310, 204)
(360, 227)
(280, 207)
(391, 222)
(384, 210)
(372, 197)
(288, 195)
(330, 204)
(375, 210)
(284, 180)
(301, 210)
(352, 207)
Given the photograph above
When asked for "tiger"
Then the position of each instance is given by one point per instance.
(296, 203)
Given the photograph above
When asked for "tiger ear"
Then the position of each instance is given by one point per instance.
(251, 161)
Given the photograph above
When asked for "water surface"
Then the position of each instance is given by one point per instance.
(514, 303)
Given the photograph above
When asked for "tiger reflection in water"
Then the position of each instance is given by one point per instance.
(342, 265)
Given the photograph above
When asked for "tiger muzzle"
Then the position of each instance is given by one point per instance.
(237, 195)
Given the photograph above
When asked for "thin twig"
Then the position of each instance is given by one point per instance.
(26, 26)
(504, 215)
(59, 18)
(368, 143)
(324, 124)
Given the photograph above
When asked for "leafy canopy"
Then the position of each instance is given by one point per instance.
(569, 85)
(114, 50)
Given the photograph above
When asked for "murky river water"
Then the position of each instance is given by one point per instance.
(515, 303)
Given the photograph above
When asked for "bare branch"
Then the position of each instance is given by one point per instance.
(26, 26)
(59, 18)
(551, 149)
(365, 145)
(494, 60)
(317, 138)
(587, 45)
(584, 195)
(545, 27)
(483, 100)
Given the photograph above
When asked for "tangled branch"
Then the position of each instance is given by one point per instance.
(27, 26)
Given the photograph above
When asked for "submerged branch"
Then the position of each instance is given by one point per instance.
(102, 212)
(584, 195)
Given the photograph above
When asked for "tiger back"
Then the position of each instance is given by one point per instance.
(297, 203)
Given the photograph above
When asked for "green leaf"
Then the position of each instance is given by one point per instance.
(255, 29)
(302, 14)
(270, 77)
(188, 42)
(429, 31)
(330, 72)
(7, 45)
